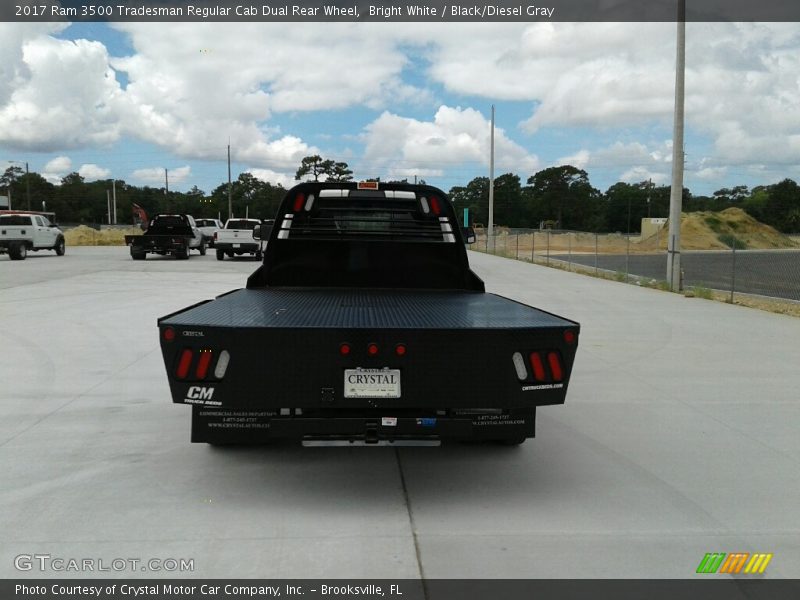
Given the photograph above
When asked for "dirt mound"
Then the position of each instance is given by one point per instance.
(721, 230)
(87, 236)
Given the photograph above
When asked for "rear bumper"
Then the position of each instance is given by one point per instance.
(370, 427)
(243, 247)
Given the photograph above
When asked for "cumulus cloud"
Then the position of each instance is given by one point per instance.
(63, 95)
(156, 176)
(403, 147)
(93, 172)
(273, 177)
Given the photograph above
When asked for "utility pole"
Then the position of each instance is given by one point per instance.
(28, 185)
(230, 204)
(649, 187)
(490, 230)
(114, 192)
(166, 182)
(108, 205)
(676, 192)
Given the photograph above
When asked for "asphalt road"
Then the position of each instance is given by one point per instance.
(765, 272)
(679, 437)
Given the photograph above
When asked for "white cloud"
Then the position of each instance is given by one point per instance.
(93, 172)
(640, 173)
(63, 95)
(60, 164)
(401, 147)
(156, 175)
(273, 177)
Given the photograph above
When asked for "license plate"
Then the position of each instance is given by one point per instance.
(237, 245)
(372, 383)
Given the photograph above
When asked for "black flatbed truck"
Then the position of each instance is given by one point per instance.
(365, 325)
(167, 234)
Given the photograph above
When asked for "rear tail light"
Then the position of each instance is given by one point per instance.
(344, 349)
(519, 366)
(435, 207)
(554, 360)
(203, 363)
(372, 349)
(184, 363)
(538, 366)
(299, 201)
(215, 236)
(400, 349)
(222, 364)
(569, 336)
(169, 334)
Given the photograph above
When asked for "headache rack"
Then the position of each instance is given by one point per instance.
(341, 235)
(341, 214)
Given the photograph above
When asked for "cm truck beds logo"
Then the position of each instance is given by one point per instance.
(199, 394)
(735, 563)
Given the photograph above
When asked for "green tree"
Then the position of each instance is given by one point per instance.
(564, 194)
(314, 165)
(339, 172)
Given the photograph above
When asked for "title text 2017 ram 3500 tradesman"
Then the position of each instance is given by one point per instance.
(365, 324)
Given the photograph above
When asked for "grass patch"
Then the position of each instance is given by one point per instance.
(731, 241)
(714, 223)
(699, 291)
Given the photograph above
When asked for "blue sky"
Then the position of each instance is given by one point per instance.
(395, 100)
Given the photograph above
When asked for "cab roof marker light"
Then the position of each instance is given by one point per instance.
(424, 203)
(309, 202)
(519, 366)
(222, 364)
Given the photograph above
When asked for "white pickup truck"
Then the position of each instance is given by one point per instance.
(21, 232)
(208, 227)
(237, 239)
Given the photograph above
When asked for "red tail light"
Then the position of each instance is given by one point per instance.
(299, 201)
(215, 236)
(169, 334)
(183, 364)
(372, 349)
(344, 349)
(538, 366)
(435, 205)
(569, 336)
(400, 349)
(203, 364)
(554, 360)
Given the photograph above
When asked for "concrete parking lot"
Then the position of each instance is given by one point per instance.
(679, 437)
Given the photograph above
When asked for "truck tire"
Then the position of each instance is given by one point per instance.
(182, 254)
(220, 255)
(137, 255)
(259, 255)
(60, 246)
(17, 251)
(202, 248)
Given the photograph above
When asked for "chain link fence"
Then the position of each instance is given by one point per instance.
(773, 273)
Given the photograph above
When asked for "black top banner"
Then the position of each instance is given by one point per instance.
(393, 11)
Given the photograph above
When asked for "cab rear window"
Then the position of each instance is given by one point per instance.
(12, 220)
